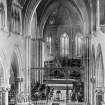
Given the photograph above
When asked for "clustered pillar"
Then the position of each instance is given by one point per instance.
(28, 67)
(37, 62)
(98, 15)
(4, 96)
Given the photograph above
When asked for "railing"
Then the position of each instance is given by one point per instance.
(39, 103)
(75, 103)
(57, 103)
(24, 103)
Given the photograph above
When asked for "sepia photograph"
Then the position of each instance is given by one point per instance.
(52, 52)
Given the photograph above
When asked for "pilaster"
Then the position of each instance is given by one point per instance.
(97, 15)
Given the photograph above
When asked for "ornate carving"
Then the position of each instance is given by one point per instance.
(92, 80)
(22, 97)
(5, 89)
(19, 79)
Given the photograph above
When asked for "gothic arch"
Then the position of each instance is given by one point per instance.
(68, 6)
(29, 14)
(78, 44)
(99, 68)
(15, 62)
(59, 72)
(3, 63)
(31, 9)
(45, 17)
(3, 58)
(17, 53)
(2, 76)
(13, 78)
(2, 15)
(16, 76)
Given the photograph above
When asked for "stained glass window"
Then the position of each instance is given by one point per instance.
(48, 41)
(78, 44)
(64, 44)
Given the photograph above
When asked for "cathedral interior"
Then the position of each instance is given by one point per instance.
(52, 52)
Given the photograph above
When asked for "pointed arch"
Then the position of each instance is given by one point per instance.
(14, 64)
(58, 72)
(31, 9)
(2, 80)
(17, 58)
(2, 15)
(13, 79)
(64, 44)
(78, 44)
(3, 63)
(99, 68)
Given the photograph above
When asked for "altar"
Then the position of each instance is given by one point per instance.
(64, 81)
(64, 91)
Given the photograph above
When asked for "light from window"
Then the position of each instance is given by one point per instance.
(48, 40)
(78, 43)
(64, 44)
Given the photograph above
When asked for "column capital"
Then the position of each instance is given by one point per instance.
(37, 39)
(5, 89)
(22, 97)
(92, 80)
(100, 89)
(27, 37)
(19, 79)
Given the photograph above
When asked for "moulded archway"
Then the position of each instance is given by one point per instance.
(13, 80)
(99, 95)
(2, 85)
(2, 80)
(31, 10)
(16, 76)
(99, 68)
(17, 54)
(4, 63)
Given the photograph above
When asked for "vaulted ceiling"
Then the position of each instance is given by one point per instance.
(76, 9)
(82, 6)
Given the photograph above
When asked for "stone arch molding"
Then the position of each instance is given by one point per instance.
(3, 62)
(19, 59)
(29, 15)
(31, 10)
(99, 67)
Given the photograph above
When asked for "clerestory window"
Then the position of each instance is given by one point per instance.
(64, 44)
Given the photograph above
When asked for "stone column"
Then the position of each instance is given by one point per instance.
(91, 8)
(28, 66)
(0, 15)
(87, 71)
(103, 103)
(5, 4)
(19, 81)
(20, 21)
(92, 89)
(98, 15)
(5, 96)
(40, 60)
(37, 59)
